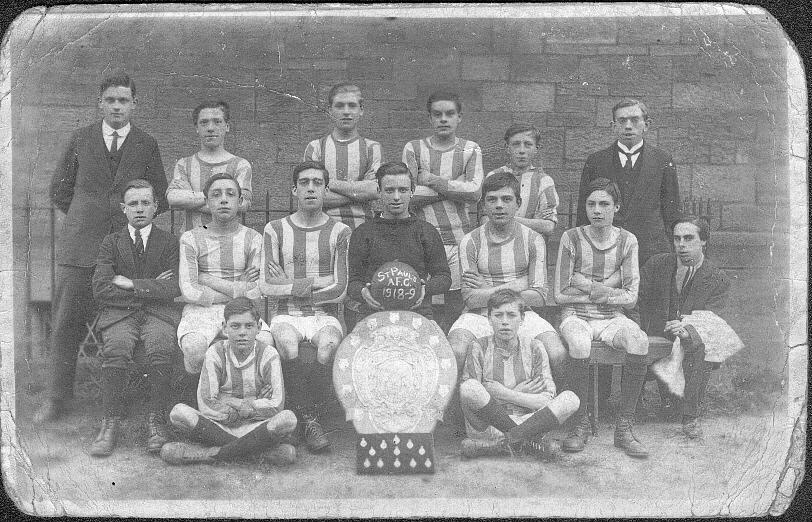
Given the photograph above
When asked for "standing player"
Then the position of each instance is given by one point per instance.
(673, 285)
(448, 174)
(211, 120)
(503, 254)
(596, 277)
(99, 160)
(241, 396)
(645, 175)
(350, 159)
(307, 271)
(134, 285)
(507, 393)
(218, 262)
(539, 207)
(396, 236)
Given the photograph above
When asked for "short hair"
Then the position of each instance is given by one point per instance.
(606, 185)
(630, 102)
(117, 80)
(240, 305)
(506, 296)
(700, 223)
(344, 87)
(499, 181)
(393, 168)
(516, 128)
(444, 96)
(137, 184)
(217, 177)
(306, 165)
(218, 104)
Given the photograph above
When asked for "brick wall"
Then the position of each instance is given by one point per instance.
(715, 86)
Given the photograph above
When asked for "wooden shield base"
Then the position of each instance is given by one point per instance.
(395, 453)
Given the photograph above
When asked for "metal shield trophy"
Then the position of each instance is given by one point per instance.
(394, 375)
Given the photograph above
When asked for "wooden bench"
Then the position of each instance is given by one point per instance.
(658, 347)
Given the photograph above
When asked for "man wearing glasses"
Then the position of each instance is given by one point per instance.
(647, 178)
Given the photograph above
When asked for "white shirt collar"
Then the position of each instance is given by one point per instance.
(122, 132)
(144, 233)
(633, 150)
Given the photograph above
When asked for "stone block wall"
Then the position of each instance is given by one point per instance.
(716, 89)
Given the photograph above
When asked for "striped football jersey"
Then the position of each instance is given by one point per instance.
(303, 254)
(354, 160)
(461, 166)
(537, 191)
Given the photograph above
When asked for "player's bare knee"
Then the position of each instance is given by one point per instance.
(556, 352)
(194, 348)
(265, 337)
(473, 395)
(183, 416)
(326, 342)
(283, 422)
(564, 405)
(632, 340)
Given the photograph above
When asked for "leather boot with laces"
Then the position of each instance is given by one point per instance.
(282, 455)
(158, 435)
(185, 453)
(106, 439)
(314, 436)
(543, 447)
(579, 435)
(625, 440)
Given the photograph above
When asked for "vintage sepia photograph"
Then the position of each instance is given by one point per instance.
(376, 261)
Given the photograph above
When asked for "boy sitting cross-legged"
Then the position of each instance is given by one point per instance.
(507, 393)
(241, 395)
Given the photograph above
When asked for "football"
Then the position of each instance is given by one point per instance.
(396, 286)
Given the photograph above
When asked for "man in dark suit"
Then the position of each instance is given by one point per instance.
(100, 159)
(674, 285)
(646, 176)
(134, 284)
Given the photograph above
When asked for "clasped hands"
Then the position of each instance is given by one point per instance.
(125, 283)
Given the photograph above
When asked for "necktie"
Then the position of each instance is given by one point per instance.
(688, 274)
(139, 243)
(627, 168)
(114, 145)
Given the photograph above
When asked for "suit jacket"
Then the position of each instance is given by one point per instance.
(85, 189)
(116, 257)
(707, 291)
(651, 202)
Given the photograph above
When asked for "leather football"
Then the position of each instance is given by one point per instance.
(396, 286)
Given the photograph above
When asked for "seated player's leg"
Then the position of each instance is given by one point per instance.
(448, 307)
(198, 328)
(464, 330)
(302, 378)
(623, 333)
(534, 326)
(551, 416)
(577, 333)
(697, 372)
(199, 429)
(119, 342)
(159, 344)
(265, 436)
(482, 416)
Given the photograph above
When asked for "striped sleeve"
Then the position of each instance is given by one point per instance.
(474, 362)
(208, 388)
(410, 159)
(629, 271)
(536, 263)
(541, 367)
(470, 186)
(279, 287)
(244, 177)
(312, 151)
(468, 253)
(272, 391)
(548, 199)
(375, 155)
(192, 290)
(565, 266)
(180, 190)
(255, 258)
(335, 293)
